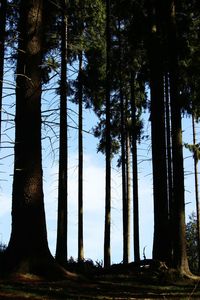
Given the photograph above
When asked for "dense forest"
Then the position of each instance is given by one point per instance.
(119, 59)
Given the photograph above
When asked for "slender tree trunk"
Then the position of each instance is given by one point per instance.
(124, 182)
(161, 224)
(28, 250)
(128, 190)
(125, 209)
(61, 246)
(179, 235)
(80, 163)
(196, 190)
(108, 145)
(135, 173)
(169, 162)
(3, 9)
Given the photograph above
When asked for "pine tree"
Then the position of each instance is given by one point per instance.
(108, 143)
(3, 9)
(28, 250)
(161, 229)
(61, 246)
(180, 255)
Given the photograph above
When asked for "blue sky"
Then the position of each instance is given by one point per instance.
(94, 188)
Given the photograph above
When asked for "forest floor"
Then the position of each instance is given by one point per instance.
(113, 284)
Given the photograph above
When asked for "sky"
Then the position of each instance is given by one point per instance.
(94, 184)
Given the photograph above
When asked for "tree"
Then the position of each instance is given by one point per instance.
(61, 246)
(161, 229)
(28, 250)
(86, 32)
(135, 171)
(108, 144)
(124, 161)
(180, 261)
(80, 165)
(3, 9)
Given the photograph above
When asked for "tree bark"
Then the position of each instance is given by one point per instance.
(169, 163)
(161, 228)
(196, 190)
(28, 250)
(108, 144)
(3, 9)
(125, 212)
(128, 188)
(180, 260)
(80, 163)
(61, 246)
(136, 242)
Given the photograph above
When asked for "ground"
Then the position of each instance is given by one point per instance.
(117, 283)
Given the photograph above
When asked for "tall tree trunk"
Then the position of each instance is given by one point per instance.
(128, 189)
(108, 144)
(124, 181)
(3, 9)
(125, 209)
(179, 235)
(161, 228)
(169, 162)
(136, 243)
(61, 246)
(28, 250)
(80, 163)
(196, 190)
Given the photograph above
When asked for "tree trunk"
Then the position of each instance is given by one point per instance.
(196, 190)
(108, 144)
(161, 228)
(179, 236)
(125, 208)
(169, 163)
(61, 246)
(28, 250)
(128, 189)
(3, 9)
(124, 182)
(80, 163)
(125, 213)
(135, 173)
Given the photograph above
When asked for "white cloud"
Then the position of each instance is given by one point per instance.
(5, 205)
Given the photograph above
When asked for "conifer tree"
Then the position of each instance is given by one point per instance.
(180, 260)
(108, 143)
(61, 246)
(28, 250)
(3, 9)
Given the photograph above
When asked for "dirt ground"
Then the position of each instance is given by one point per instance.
(121, 287)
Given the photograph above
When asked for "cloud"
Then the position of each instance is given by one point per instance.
(5, 204)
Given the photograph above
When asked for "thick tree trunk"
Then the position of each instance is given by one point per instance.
(108, 145)
(136, 242)
(3, 9)
(28, 250)
(180, 255)
(80, 163)
(161, 224)
(61, 246)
